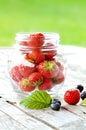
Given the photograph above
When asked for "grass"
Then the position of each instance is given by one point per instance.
(68, 18)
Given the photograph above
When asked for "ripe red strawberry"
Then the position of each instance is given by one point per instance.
(50, 51)
(59, 78)
(49, 54)
(35, 79)
(26, 56)
(24, 43)
(22, 40)
(49, 45)
(15, 73)
(36, 40)
(48, 69)
(25, 85)
(60, 65)
(26, 70)
(46, 85)
(72, 96)
(37, 56)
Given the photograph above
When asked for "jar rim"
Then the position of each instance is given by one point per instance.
(23, 35)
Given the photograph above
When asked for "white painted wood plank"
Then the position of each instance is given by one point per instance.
(7, 123)
(22, 118)
(76, 109)
(79, 125)
(69, 123)
(55, 118)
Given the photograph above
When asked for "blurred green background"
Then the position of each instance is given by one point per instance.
(66, 17)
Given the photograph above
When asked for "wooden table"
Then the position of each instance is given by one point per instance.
(15, 117)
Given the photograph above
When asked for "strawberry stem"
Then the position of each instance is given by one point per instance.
(48, 65)
(25, 82)
(37, 83)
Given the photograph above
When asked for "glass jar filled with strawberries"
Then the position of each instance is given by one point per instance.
(37, 64)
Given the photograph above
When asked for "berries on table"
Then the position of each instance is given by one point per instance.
(83, 95)
(72, 96)
(80, 87)
(55, 104)
(56, 101)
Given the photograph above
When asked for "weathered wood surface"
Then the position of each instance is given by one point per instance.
(15, 117)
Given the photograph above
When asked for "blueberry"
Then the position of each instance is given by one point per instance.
(83, 95)
(56, 101)
(80, 87)
(55, 106)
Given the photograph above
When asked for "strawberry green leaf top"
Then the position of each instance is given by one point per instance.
(48, 69)
(36, 79)
(48, 65)
(39, 99)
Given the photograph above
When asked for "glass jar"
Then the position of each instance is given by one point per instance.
(36, 63)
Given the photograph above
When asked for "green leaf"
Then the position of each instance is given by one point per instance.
(83, 102)
(39, 99)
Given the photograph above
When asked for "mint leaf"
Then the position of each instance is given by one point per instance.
(83, 102)
(39, 99)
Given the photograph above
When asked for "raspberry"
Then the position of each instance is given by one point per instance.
(72, 96)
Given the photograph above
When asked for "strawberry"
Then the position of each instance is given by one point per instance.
(46, 85)
(72, 96)
(49, 51)
(22, 40)
(59, 78)
(36, 40)
(24, 43)
(26, 56)
(48, 69)
(25, 85)
(26, 70)
(15, 73)
(37, 56)
(49, 54)
(49, 45)
(36, 79)
(60, 65)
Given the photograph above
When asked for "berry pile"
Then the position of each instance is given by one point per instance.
(39, 70)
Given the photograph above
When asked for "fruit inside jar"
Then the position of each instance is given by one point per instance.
(40, 67)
